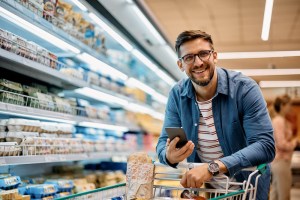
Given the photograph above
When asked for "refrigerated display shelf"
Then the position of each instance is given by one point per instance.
(38, 71)
(17, 160)
(19, 64)
(33, 18)
(35, 113)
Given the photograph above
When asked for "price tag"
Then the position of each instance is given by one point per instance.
(54, 29)
(37, 18)
(11, 3)
(2, 161)
(2, 106)
(19, 7)
(62, 158)
(51, 158)
(25, 61)
(11, 107)
(18, 108)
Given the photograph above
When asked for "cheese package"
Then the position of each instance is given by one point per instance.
(139, 176)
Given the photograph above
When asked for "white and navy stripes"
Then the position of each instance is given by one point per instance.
(208, 147)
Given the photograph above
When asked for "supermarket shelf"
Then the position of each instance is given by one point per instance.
(11, 160)
(38, 71)
(34, 113)
(43, 24)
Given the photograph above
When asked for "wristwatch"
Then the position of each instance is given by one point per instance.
(213, 168)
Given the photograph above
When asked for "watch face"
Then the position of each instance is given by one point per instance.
(213, 168)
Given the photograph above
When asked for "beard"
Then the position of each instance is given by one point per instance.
(204, 82)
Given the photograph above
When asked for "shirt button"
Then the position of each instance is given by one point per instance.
(195, 124)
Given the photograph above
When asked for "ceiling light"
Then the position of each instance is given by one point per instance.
(259, 54)
(267, 20)
(80, 5)
(97, 65)
(37, 116)
(101, 96)
(155, 95)
(103, 126)
(153, 67)
(111, 32)
(278, 84)
(37, 31)
(148, 25)
(268, 72)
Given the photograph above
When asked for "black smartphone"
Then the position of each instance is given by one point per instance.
(177, 132)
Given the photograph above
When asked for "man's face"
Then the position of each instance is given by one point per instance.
(200, 71)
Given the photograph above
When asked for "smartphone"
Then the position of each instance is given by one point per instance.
(177, 132)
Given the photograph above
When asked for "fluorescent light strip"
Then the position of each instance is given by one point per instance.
(157, 96)
(153, 67)
(148, 25)
(279, 84)
(258, 54)
(80, 5)
(37, 31)
(38, 117)
(111, 32)
(143, 109)
(101, 96)
(268, 72)
(103, 126)
(97, 65)
(267, 20)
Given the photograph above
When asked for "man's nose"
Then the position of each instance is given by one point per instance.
(197, 60)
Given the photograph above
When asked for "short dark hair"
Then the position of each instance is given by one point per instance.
(280, 101)
(186, 36)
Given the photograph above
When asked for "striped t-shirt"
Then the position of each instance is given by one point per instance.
(208, 147)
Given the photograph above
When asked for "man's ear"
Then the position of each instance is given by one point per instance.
(179, 63)
(215, 56)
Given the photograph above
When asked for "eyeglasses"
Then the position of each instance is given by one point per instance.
(203, 55)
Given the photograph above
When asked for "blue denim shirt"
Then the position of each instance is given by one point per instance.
(241, 120)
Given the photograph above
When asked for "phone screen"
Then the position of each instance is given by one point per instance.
(177, 132)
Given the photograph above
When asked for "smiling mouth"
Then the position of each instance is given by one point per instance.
(199, 71)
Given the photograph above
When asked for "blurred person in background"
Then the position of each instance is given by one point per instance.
(285, 143)
(223, 114)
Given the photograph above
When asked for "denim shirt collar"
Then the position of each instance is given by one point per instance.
(189, 91)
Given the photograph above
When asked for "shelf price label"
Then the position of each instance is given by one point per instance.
(2, 106)
(2, 161)
(37, 18)
(16, 108)
(62, 158)
(51, 158)
(19, 7)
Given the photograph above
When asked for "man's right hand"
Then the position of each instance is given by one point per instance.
(176, 155)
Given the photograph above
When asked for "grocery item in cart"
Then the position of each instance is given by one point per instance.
(139, 176)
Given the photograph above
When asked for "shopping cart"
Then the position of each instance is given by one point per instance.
(168, 191)
(242, 190)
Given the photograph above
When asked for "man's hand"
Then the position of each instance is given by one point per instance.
(195, 177)
(175, 155)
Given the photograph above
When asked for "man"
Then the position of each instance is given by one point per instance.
(223, 114)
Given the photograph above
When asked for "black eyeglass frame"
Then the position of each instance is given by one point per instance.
(197, 54)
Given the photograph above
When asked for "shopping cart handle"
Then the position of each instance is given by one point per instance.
(262, 168)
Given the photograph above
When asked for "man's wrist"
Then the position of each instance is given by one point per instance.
(222, 166)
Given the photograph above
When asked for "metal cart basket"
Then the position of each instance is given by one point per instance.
(118, 191)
